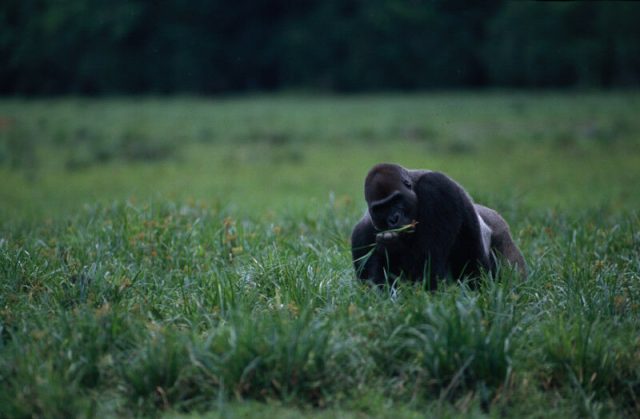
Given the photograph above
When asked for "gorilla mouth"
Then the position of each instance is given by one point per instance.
(406, 229)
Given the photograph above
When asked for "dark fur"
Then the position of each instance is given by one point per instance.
(446, 240)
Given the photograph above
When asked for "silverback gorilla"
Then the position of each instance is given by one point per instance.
(422, 225)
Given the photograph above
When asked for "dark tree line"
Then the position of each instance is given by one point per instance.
(198, 46)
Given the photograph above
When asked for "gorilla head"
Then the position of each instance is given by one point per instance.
(390, 197)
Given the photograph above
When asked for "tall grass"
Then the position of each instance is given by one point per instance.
(131, 309)
(246, 302)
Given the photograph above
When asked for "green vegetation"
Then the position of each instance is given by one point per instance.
(191, 256)
(173, 46)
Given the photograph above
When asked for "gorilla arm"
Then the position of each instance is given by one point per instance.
(373, 250)
(448, 226)
(364, 252)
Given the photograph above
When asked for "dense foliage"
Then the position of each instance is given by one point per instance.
(97, 46)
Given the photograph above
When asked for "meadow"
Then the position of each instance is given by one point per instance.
(188, 256)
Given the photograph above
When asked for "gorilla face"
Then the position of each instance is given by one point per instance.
(393, 212)
(390, 197)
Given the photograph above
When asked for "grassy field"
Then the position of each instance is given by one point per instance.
(188, 256)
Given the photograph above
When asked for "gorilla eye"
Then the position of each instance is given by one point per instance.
(407, 183)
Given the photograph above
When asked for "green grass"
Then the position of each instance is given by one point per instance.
(190, 257)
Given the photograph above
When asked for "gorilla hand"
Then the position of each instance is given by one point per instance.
(394, 239)
(387, 238)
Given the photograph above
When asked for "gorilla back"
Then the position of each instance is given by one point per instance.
(421, 225)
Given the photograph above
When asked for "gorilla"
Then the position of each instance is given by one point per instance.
(422, 225)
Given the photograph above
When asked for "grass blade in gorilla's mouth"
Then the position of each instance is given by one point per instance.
(407, 228)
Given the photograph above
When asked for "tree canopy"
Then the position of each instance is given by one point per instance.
(205, 47)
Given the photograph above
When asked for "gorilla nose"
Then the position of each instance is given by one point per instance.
(393, 220)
